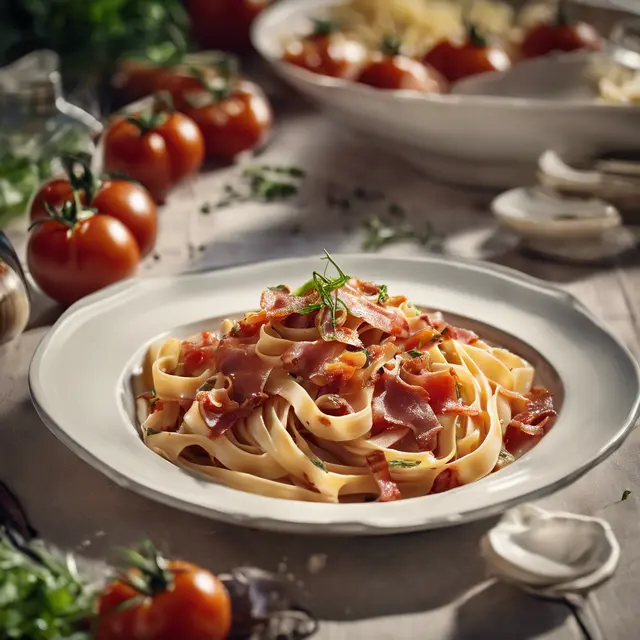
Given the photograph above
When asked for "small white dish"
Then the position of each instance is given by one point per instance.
(91, 408)
(538, 214)
(551, 554)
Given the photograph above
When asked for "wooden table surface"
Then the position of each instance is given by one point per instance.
(429, 585)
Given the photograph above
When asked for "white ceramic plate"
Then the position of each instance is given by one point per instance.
(79, 381)
(480, 140)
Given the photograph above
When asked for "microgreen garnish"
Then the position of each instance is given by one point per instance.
(263, 183)
(414, 353)
(321, 465)
(383, 295)
(404, 464)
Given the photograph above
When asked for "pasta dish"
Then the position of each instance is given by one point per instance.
(339, 391)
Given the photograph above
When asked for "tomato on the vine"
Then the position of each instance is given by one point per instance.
(158, 149)
(224, 24)
(389, 69)
(327, 52)
(475, 55)
(562, 35)
(160, 600)
(76, 252)
(127, 201)
(233, 114)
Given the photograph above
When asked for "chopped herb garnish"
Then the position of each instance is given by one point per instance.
(321, 465)
(280, 287)
(458, 390)
(209, 385)
(235, 330)
(625, 494)
(263, 183)
(379, 233)
(414, 353)
(152, 432)
(383, 295)
(404, 464)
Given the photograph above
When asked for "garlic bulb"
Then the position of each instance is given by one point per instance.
(14, 303)
(551, 554)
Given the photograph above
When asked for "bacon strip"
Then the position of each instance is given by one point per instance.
(396, 403)
(248, 374)
(387, 319)
(445, 481)
(250, 325)
(308, 359)
(278, 303)
(380, 469)
(328, 332)
(442, 390)
(534, 419)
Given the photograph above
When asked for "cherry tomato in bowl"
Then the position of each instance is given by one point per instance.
(562, 35)
(158, 149)
(389, 69)
(476, 55)
(78, 252)
(124, 200)
(164, 601)
(224, 24)
(233, 114)
(327, 52)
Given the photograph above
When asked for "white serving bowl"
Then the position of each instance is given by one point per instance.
(467, 139)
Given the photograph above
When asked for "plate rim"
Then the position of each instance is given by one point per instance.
(363, 526)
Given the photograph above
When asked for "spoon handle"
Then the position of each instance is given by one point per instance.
(585, 617)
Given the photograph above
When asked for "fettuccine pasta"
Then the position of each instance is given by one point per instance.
(338, 392)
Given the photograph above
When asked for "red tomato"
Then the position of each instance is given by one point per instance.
(562, 36)
(328, 53)
(158, 151)
(70, 262)
(198, 607)
(236, 121)
(476, 55)
(400, 72)
(126, 201)
(224, 24)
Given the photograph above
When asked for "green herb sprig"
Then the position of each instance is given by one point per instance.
(320, 464)
(41, 596)
(404, 464)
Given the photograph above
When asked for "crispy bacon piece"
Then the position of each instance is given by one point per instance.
(442, 390)
(527, 427)
(445, 481)
(308, 359)
(534, 419)
(396, 403)
(198, 356)
(248, 374)
(250, 325)
(279, 303)
(423, 339)
(324, 322)
(244, 367)
(380, 469)
(387, 319)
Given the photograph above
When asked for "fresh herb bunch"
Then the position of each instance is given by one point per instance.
(41, 597)
(92, 34)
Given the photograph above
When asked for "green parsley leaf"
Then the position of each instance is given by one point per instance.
(404, 464)
(414, 353)
(383, 295)
(321, 465)
(152, 432)
(280, 287)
